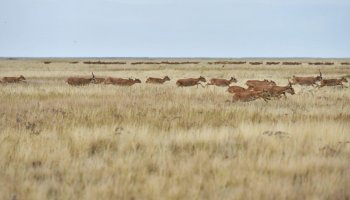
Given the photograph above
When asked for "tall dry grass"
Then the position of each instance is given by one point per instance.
(164, 142)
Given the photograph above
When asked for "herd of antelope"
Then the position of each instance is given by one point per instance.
(256, 89)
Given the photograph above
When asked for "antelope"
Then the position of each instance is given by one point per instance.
(222, 82)
(306, 80)
(157, 80)
(333, 82)
(277, 91)
(235, 89)
(274, 90)
(77, 81)
(254, 83)
(246, 96)
(190, 82)
(13, 79)
(121, 81)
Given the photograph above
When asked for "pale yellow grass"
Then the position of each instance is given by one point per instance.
(164, 142)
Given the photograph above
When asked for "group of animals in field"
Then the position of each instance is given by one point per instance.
(257, 89)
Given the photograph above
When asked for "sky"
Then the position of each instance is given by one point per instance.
(175, 28)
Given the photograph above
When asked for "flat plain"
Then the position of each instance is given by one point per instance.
(164, 142)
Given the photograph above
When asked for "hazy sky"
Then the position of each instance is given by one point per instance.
(175, 28)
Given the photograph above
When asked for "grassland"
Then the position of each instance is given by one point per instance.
(164, 142)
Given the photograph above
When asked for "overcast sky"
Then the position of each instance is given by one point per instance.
(175, 28)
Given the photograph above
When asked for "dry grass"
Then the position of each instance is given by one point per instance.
(164, 142)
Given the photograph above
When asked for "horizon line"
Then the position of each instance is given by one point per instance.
(151, 57)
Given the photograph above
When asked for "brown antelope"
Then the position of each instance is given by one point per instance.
(190, 82)
(235, 89)
(306, 80)
(247, 95)
(13, 79)
(277, 91)
(274, 90)
(254, 83)
(333, 82)
(121, 81)
(157, 80)
(77, 81)
(222, 82)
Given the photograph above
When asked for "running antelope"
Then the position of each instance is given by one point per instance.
(222, 82)
(274, 90)
(333, 82)
(190, 82)
(254, 83)
(121, 81)
(306, 80)
(13, 79)
(277, 91)
(77, 81)
(157, 80)
(235, 89)
(246, 96)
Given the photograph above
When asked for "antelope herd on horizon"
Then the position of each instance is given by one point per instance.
(264, 89)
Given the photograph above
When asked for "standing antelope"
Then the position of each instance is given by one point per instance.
(221, 82)
(235, 89)
(157, 80)
(13, 79)
(77, 81)
(306, 80)
(246, 96)
(190, 82)
(121, 81)
(333, 82)
(254, 83)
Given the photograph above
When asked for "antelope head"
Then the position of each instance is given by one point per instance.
(290, 88)
(319, 78)
(93, 79)
(201, 78)
(137, 80)
(22, 78)
(166, 78)
(233, 80)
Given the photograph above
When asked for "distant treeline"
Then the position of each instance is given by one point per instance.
(256, 63)
(164, 62)
(273, 63)
(321, 63)
(227, 62)
(291, 63)
(104, 63)
(222, 62)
